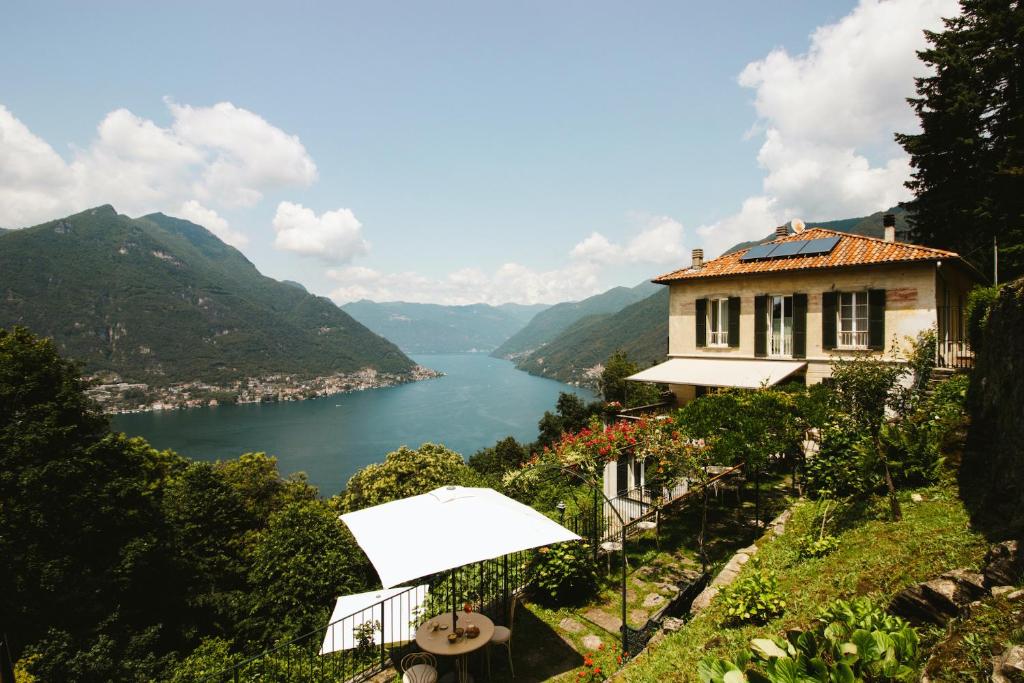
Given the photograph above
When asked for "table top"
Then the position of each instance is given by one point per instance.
(436, 642)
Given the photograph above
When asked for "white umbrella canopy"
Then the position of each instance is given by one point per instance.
(449, 527)
(392, 621)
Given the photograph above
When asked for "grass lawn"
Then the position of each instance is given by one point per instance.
(876, 557)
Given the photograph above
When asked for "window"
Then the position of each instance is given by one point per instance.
(780, 326)
(853, 320)
(718, 322)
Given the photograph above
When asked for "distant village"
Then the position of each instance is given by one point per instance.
(127, 397)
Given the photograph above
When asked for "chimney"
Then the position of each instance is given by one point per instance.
(781, 231)
(698, 259)
(889, 223)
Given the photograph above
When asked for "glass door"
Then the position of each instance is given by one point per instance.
(780, 326)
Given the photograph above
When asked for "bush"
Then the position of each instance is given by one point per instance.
(851, 641)
(979, 304)
(812, 546)
(563, 574)
(841, 468)
(754, 598)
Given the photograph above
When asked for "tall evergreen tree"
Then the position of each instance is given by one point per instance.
(968, 158)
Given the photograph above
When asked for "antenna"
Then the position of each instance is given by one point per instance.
(798, 225)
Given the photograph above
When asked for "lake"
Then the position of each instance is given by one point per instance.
(479, 401)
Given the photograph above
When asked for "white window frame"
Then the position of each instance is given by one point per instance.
(784, 347)
(718, 311)
(849, 305)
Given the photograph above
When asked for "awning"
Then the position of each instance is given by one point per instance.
(391, 623)
(719, 372)
(447, 528)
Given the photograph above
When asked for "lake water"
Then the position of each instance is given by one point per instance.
(479, 401)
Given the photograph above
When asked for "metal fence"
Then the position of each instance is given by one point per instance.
(368, 641)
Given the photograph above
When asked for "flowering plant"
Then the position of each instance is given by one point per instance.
(601, 664)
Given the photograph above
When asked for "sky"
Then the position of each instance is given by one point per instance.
(461, 152)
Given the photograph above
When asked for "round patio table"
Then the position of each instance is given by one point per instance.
(436, 642)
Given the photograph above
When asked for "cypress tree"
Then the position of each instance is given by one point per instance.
(968, 159)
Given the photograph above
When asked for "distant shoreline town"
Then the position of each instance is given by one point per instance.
(135, 397)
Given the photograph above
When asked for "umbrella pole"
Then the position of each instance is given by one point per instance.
(454, 618)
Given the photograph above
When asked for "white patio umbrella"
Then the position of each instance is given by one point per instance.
(393, 623)
(447, 528)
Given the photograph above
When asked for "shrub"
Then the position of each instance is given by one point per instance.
(563, 574)
(754, 598)
(979, 304)
(811, 546)
(840, 469)
(851, 641)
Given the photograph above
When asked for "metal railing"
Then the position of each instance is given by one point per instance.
(637, 412)
(853, 339)
(366, 642)
(954, 354)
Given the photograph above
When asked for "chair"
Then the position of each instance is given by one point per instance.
(419, 667)
(647, 525)
(503, 636)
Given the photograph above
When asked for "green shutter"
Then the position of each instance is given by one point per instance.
(829, 302)
(761, 326)
(876, 319)
(734, 321)
(799, 326)
(702, 322)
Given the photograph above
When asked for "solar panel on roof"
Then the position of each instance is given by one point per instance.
(820, 245)
(758, 252)
(788, 249)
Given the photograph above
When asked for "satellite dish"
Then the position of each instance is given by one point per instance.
(798, 225)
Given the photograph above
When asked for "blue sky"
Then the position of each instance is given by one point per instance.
(459, 152)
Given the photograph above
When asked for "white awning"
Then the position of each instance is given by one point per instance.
(391, 621)
(447, 528)
(719, 372)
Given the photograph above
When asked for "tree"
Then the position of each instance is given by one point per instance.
(968, 159)
(300, 562)
(495, 460)
(406, 472)
(613, 379)
(80, 533)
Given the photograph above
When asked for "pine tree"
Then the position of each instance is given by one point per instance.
(968, 158)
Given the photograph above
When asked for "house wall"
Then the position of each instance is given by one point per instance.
(910, 307)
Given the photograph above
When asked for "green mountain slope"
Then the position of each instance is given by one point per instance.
(548, 324)
(433, 328)
(640, 329)
(161, 300)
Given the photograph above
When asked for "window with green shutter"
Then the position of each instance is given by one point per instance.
(701, 320)
(799, 326)
(734, 322)
(828, 320)
(761, 326)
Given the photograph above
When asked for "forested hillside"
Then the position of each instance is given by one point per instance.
(435, 328)
(158, 299)
(640, 329)
(548, 324)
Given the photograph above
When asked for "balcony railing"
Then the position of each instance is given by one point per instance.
(954, 354)
(378, 636)
(853, 339)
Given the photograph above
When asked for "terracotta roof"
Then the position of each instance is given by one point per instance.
(852, 250)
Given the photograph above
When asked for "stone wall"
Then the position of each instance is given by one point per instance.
(993, 467)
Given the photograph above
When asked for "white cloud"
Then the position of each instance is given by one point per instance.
(334, 236)
(510, 282)
(220, 155)
(828, 117)
(659, 242)
(212, 221)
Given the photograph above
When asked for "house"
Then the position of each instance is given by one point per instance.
(785, 310)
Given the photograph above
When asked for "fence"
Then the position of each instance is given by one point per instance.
(953, 354)
(361, 644)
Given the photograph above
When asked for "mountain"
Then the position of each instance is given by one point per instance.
(640, 329)
(548, 324)
(162, 300)
(433, 328)
(870, 226)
